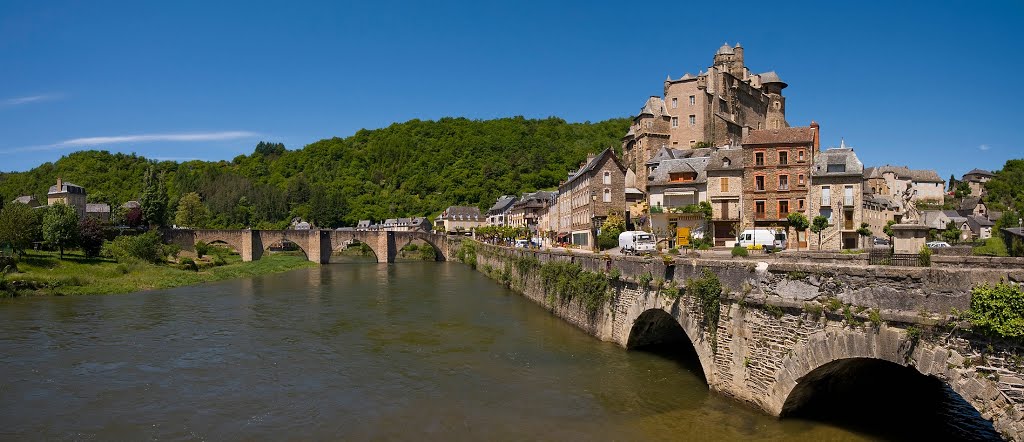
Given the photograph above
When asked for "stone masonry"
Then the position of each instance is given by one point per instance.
(782, 320)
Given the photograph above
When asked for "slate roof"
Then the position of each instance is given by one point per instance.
(66, 187)
(837, 156)
(977, 222)
(725, 50)
(969, 203)
(461, 213)
(979, 172)
(654, 106)
(97, 208)
(904, 172)
(786, 135)
(698, 165)
(502, 204)
(25, 199)
(717, 159)
(593, 163)
(771, 77)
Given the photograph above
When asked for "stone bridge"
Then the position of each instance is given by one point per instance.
(784, 325)
(316, 244)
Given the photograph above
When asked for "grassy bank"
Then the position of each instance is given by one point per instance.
(43, 273)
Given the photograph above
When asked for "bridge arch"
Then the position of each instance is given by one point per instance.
(403, 240)
(833, 353)
(653, 325)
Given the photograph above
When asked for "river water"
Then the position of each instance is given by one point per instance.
(351, 351)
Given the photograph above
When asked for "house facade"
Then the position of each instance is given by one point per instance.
(725, 192)
(837, 183)
(674, 190)
(67, 193)
(497, 215)
(776, 175)
(976, 180)
(458, 219)
(589, 195)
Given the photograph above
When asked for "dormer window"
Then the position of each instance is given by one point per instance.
(726, 162)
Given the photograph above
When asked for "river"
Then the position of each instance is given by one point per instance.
(353, 351)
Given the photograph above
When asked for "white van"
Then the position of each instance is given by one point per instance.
(767, 239)
(636, 242)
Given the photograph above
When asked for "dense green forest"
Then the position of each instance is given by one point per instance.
(416, 168)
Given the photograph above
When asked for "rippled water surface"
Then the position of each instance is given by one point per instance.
(356, 351)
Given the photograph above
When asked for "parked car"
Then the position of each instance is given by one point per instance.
(880, 242)
(766, 239)
(937, 244)
(522, 243)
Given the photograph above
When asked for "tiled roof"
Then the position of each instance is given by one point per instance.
(926, 176)
(978, 172)
(787, 135)
(717, 159)
(697, 165)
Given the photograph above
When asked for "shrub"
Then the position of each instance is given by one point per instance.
(201, 249)
(813, 309)
(427, 253)
(410, 247)
(567, 281)
(774, 310)
(145, 247)
(992, 247)
(925, 256)
(833, 304)
(188, 264)
(671, 290)
(90, 236)
(673, 251)
(707, 290)
(875, 317)
(997, 311)
(739, 251)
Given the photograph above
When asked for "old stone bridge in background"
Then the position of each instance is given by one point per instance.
(789, 327)
(316, 244)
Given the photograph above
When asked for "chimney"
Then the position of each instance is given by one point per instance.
(817, 136)
(60, 184)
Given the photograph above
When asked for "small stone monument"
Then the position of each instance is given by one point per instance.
(911, 234)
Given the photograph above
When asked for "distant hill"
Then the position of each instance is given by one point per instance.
(416, 168)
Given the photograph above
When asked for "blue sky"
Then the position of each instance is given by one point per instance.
(935, 85)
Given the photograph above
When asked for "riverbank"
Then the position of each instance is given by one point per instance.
(43, 273)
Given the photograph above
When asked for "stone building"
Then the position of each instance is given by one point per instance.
(837, 183)
(497, 214)
(892, 181)
(878, 211)
(69, 194)
(776, 174)
(459, 219)
(725, 192)
(589, 195)
(976, 180)
(711, 108)
(526, 211)
(674, 189)
(28, 200)
(100, 211)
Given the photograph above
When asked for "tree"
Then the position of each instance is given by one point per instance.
(962, 191)
(888, 231)
(799, 223)
(952, 182)
(269, 149)
(19, 226)
(90, 236)
(60, 226)
(951, 233)
(192, 213)
(864, 231)
(611, 228)
(154, 198)
(819, 224)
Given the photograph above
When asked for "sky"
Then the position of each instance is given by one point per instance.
(934, 85)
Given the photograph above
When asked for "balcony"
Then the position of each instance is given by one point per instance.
(848, 201)
(783, 187)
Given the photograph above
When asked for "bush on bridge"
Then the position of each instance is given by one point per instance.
(707, 291)
(997, 311)
(566, 281)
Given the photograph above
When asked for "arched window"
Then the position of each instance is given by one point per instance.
(607, 194)
(726, 162)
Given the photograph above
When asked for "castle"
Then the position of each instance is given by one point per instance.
(712, 108)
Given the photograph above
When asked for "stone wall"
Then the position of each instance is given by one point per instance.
(782, 320)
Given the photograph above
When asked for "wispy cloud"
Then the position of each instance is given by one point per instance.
(17, 101)
(140, 138)
(984, 147)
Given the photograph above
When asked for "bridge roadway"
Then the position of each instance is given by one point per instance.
(316, 244)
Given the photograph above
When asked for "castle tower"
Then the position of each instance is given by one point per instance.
(773, 86)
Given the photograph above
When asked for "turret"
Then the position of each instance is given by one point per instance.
(772, 86)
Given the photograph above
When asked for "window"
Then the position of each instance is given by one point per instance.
(827, 213)
(783, 182)
(826, 196)
(801, 179)
(693, 120)
(726, 162)
(675, 102)
(725, 184)
(759, 158)
(675, 121)
(607, 177)
(693, 100)
(800, 155)
(783, 208)
(759, 209)
(800, 204)
(759, 182)
(607, 195)
(783, 158)
(848, 196)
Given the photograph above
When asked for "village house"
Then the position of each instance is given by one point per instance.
(29, 200)
(836, 193)
(980, 227)
(589, 195)
(67, 193)
(674, 190)
(99, 211)
(777, 174)
(525, 211)
(725, 191)
(976, 180)
(972, 205)
(459, 219)
(892, 181)
(497, 215)
(878, 211)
